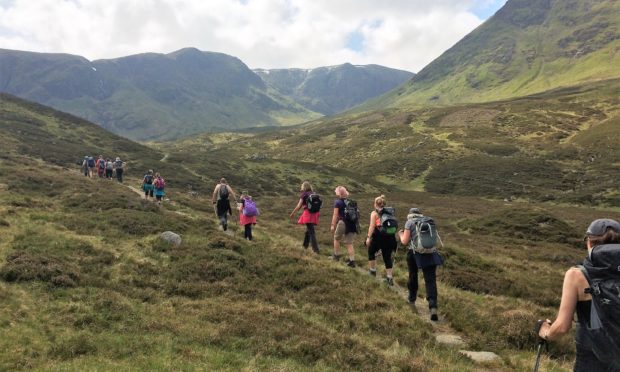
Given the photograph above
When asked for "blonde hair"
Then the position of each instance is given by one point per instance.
(342, 192)
(306, 186)
(380, 201)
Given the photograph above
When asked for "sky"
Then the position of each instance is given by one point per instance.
(403, 34)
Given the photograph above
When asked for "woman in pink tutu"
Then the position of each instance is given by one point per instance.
(310, 219)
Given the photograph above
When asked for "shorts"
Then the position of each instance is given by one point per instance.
(341, 235)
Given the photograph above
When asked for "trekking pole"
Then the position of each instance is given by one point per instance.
(541, 342)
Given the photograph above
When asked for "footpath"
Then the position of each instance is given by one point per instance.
(444, 333)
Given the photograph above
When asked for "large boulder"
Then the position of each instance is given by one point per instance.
(171, 238)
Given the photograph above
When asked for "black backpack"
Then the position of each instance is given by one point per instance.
(101, 164)
(223, 192)
(351, 216)
(602, 270)
(389, 223)
(148, 179)
(314, 202)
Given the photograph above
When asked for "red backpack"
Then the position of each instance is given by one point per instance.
(160, 183)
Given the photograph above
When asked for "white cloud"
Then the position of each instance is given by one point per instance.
(405, 34)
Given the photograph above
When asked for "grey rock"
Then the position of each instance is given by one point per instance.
(171, 238)
(480, 356)
(449, 340)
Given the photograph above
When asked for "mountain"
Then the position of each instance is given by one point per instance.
(150, 96)
(528, 46)
(333, 89)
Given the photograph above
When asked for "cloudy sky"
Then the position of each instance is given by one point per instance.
(405, 34)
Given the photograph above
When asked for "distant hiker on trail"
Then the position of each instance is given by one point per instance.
(85, 166)
(420, 235)
(147, 184)
(119, 169)
(159, 184)
(311, 204)
(247, 214)
(91, 166)
(109, 169)
(221, 198)
(345, 223)
(381, 237)
(100, 166)
(591, 290)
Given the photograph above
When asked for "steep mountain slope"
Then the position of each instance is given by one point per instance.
(329, 90)
(528, 46)
(150, 96)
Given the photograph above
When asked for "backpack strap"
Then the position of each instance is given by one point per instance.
(587, 276)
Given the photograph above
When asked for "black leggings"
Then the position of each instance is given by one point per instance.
(430, 280)
(248, 232)
(384, 243)
(310, 238)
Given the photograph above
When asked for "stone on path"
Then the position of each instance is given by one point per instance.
(171, 238)
(449, 340)
(480, 356)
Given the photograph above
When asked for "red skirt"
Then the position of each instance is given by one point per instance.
(308, 217)
(244, 220)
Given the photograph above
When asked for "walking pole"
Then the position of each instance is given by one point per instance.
(541, 342)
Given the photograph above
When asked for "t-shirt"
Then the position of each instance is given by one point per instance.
(304, 198)
(410, 225)
(339, 203)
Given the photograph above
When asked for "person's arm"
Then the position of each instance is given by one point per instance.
(371, 227)
(570, 295)
(334, 219)
(217, 188)
(297, 207)
(405, 236)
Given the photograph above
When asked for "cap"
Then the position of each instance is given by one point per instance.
(600, 226)
(414, 211)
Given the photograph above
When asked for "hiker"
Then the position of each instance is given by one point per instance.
(119, 168)
(221, 199)
(247, 214)
(345, 221)
(91, 166)
(85, 166)
(100, 166)
(420, 234)
(308, 218)
(109, 169)
(147, 184)
(381, 237)
(159, 184)
(597, 294)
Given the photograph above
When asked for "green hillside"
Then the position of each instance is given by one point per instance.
(151, 96)
(86, 284)
(528, 46)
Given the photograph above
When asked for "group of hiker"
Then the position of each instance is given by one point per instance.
(591, 290)
(103, 168)
(222, 194)
(153, 186)
(419, 235)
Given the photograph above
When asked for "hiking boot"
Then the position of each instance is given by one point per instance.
(335, 257)
(389, 281)
(434, 316)
(351, 263)
(224, 226)
(372, 272)
(411, 299)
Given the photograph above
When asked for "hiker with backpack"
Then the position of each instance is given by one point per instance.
(119, 168)
(221, 199)
(147, 184)
(382, 237)
(85, 166)
(421, 236)
(592, 291)
(100, 166)
(345, 224)
(159, 185)
(109, 169)
(90, 161)
(247, 214)
(311, 204)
